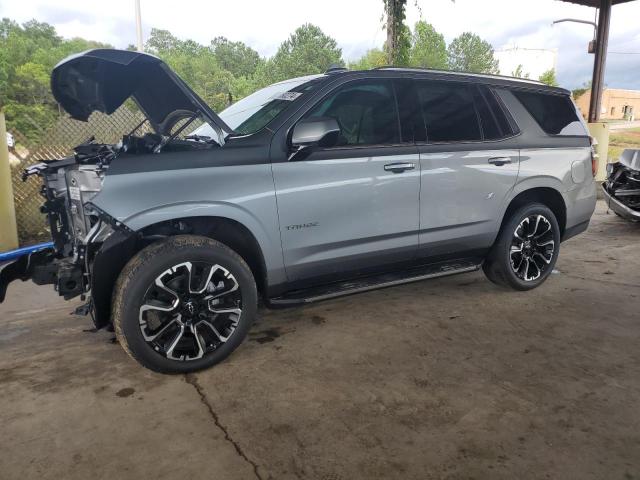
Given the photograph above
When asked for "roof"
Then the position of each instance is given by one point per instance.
(594, 3)
(496, 80)
(463, 74)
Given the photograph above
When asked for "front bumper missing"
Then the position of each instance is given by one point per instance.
(619, 207)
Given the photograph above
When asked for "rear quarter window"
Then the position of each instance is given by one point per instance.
(555, 114)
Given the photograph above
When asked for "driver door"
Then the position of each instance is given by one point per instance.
(351, 208)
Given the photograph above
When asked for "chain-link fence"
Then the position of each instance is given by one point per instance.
(57, 142)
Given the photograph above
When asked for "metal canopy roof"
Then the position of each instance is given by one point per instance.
(594, 3)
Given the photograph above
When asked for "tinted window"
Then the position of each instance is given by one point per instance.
(449, 112)
(411, 123)
(365, 111)
(555, 114)
(490, 129)
(498, 111)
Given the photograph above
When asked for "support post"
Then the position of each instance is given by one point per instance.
(8, 227)
(602, 40)
(139, 44)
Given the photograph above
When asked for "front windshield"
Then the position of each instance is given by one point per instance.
(252, 113)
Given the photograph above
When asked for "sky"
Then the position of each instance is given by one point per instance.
(356, 25)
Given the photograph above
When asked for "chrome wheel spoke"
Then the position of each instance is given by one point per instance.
(214, 330)
(198, 340)
(152, 337)
(211, 270)
(174, 343)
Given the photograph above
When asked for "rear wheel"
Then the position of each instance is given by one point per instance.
(526, 249)
(184, 304)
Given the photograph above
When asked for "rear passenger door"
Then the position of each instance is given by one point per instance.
(469, 163)
(354, 206)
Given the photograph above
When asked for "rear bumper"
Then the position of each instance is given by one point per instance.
(619, 207)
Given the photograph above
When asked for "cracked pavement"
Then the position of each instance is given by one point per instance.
(444, 379)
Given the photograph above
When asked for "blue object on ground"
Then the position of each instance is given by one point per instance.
(13, 254)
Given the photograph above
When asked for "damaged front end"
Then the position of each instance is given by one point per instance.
(89, 247)
(622, 187)
(78, 229)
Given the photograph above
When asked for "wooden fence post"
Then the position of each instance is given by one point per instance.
(8, 227)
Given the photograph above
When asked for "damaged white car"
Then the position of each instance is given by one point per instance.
(622, 188)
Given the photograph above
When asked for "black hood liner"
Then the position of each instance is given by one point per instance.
(102, 79)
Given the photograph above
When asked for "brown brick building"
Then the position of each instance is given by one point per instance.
(617, 104)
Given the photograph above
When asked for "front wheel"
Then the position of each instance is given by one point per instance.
(526, 249)
(184, 304)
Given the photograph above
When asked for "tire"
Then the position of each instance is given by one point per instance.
(525, 252)
(183, 304)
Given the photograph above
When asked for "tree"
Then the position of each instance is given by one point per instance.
(519, 72)
(308, 50)
(371, 59)
(161, 41)
(469, 53)
(428, 48)
(28, 53)
(396, 45)
(235, 57)
(549, 77)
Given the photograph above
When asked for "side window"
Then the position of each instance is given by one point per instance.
(365, 111)
(490, 129)
(411, 123)
(555, 114)
(449, 111)
(498, 111)
(495, 124)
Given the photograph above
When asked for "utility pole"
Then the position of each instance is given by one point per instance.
(138, 27)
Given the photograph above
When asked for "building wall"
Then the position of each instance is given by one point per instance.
(614, 102)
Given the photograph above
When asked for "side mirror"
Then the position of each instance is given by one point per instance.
(312, 132)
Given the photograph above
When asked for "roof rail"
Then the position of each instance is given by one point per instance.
(458, 72)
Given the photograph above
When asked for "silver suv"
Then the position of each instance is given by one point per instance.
(308, 189)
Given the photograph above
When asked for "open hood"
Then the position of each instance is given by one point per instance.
(102, 79)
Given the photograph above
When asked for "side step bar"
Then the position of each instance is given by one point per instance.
(374, 282)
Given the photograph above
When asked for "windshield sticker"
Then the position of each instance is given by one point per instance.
(288, 96)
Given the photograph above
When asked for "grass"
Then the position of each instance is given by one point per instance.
(621, 139)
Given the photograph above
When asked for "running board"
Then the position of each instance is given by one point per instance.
(325, 292)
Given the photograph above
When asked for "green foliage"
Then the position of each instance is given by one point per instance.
(469, 53)
(28, 53)
(236, 57)
(372, 59)
(308, 50)
(549, 77)
(428, 48)
(519, 72)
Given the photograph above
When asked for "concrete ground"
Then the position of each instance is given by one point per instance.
(444, 379)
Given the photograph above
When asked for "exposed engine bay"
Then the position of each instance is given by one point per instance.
(85, 238)
(622, 188)
(79, 228)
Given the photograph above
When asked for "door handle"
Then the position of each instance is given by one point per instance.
(399, 167)
(499, 161)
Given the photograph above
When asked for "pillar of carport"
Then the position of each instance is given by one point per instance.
(600, 131)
